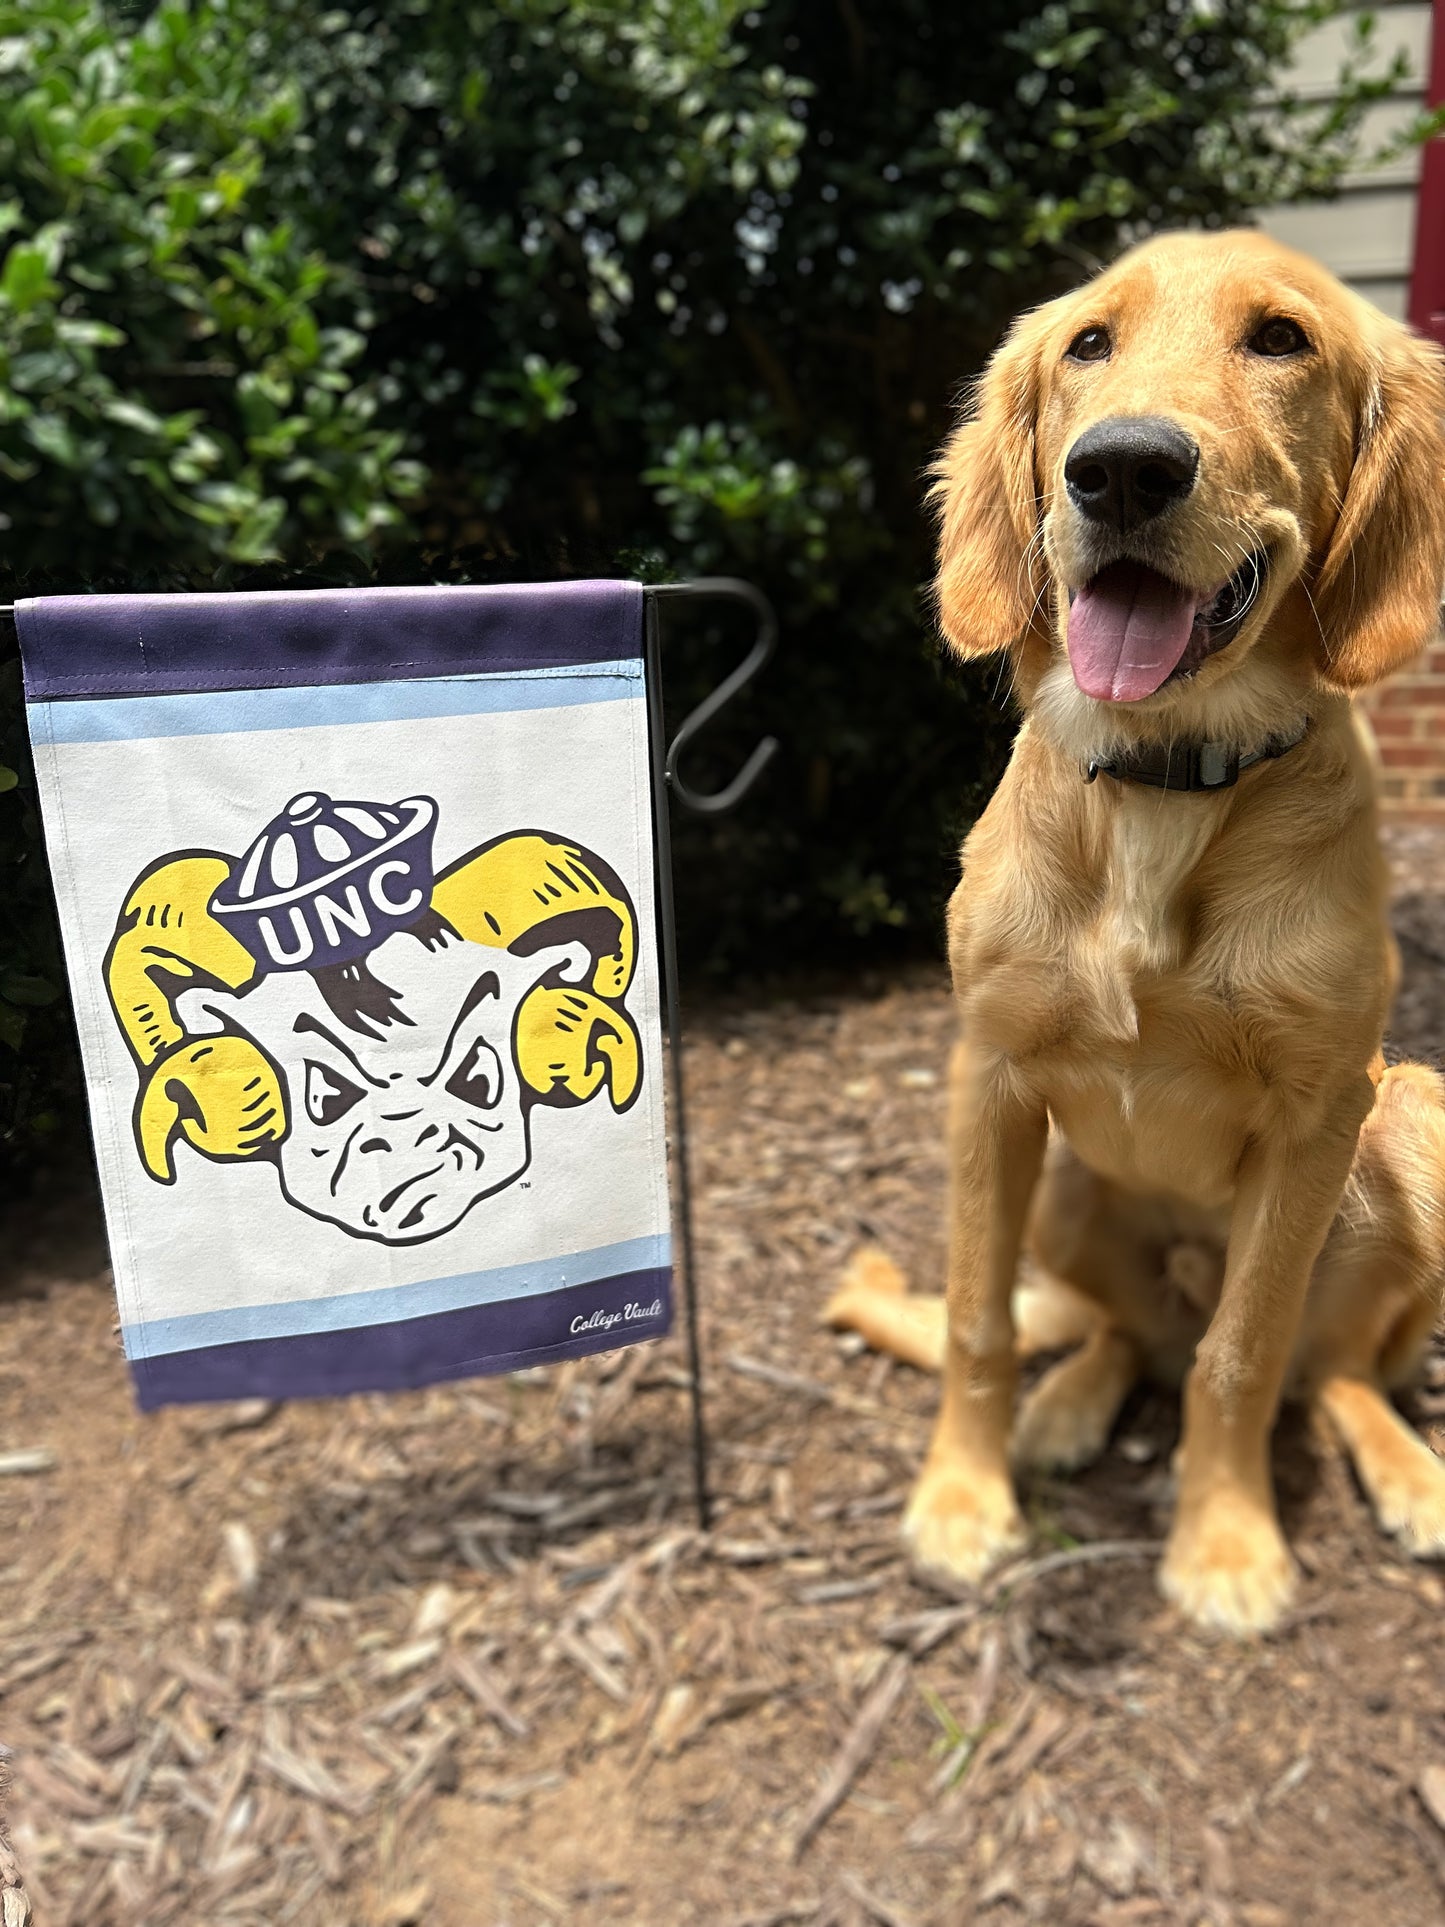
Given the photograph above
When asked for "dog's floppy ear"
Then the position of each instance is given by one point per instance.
(986, 492)
(1377, 596)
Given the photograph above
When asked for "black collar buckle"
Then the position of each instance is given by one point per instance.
(1212, 767)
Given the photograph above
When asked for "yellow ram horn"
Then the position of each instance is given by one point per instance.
(525, 891)
(569, 1044)
(222, 1093)
(165, 930)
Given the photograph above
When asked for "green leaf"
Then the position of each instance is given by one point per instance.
(254, 539)
(25, 280)
(89, 334)
(54, 437)
(127, 413)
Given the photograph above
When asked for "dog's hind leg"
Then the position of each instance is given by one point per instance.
(1374, 1300)
(873, 1300)
(1066, 1419)
(1404, 1480)
(1050, 1316)
(1129, 1264)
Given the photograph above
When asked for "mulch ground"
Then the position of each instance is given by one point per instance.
(462, 1657)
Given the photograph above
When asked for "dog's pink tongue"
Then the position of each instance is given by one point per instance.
(1127, 630)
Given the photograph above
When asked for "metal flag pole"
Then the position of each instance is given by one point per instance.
(666, 783)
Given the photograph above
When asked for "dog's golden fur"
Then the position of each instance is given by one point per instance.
(1169, 1074)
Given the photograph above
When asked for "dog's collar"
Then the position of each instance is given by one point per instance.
(1190, 766)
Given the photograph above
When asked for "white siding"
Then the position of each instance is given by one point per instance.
(1368, 235)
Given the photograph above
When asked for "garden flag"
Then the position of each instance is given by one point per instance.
(356, 890)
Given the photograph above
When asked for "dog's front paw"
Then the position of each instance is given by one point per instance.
(1229, 1569)
(957, 1527)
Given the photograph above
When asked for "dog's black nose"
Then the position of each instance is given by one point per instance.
(1128, 469)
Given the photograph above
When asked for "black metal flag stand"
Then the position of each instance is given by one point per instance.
(666, 783)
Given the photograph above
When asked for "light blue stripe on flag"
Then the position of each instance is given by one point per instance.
(393, 1303)
(222, 712)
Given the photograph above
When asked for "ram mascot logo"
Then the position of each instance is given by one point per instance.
(379, 1033)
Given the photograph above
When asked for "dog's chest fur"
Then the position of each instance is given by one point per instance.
(1115, 1085)
(1134, 984)
(1154, 849)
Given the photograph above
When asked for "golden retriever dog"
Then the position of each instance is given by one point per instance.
(1198, 502)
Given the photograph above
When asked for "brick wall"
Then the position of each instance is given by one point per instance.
(1408, 718)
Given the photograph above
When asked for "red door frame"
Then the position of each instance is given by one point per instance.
(1427, 277)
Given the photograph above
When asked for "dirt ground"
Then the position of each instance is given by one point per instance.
(461, 1658)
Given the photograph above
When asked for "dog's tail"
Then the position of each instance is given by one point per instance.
(873, 1299)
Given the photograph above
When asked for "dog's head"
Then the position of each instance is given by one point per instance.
(1210, 473)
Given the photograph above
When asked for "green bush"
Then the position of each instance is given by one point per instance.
(490, 289)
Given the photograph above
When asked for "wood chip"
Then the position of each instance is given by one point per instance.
(432, 1761)
(1119, 1859)
(208, 1684)
(855, 1751)
(228, 1796)
(760, 1552)
(921, 1632)
(1431, 1788)
(601, 1503)
(585, 1656)
(525, 1505)
(107, 1837)
(439, 1607)
(833, 1591)
(985, 1681)
(323, 1844)
(800, 1385)
(408, 1909)
(776, 1375)
(746, 1697)
(241, 1553)
(1010, 1579)
(508, 1792)
(473, 1678)
(1218, 1863)
(1292, 1777)
(873, 1904)
(673, 1720)
(1047, 1726)
(405, 1659)
(309, 1777)
(53, 1791)
(405, 1705)
(244, 1416)
(34, 1667)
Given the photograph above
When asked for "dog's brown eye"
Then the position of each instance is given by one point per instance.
(1278, 336)
(1092, 345)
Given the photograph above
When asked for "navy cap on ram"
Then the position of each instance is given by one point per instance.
(325, 882)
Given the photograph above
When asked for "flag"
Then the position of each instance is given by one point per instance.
(356, 891)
